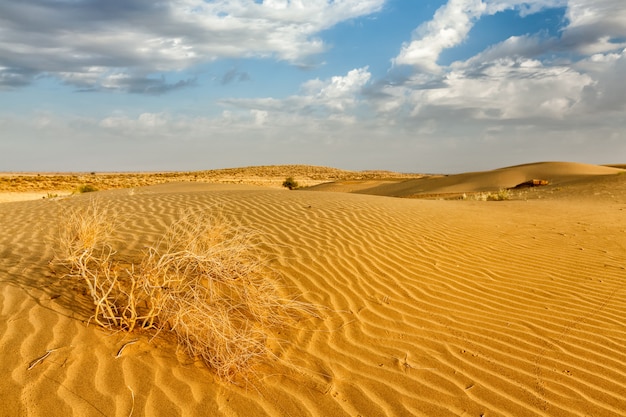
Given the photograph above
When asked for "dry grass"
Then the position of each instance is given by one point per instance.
(500, 195)
(205, 281)
(85, 247)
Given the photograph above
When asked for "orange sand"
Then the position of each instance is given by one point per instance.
(432, 308)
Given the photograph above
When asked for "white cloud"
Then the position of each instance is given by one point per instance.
(513, 80)
(87, 43)
(505, 89)
(595, 26)
(260, 116)
(529, 97)
(527, 46)
(144, 124)
(338, 94)
(525, 7)
(451, 25)
(607, 93)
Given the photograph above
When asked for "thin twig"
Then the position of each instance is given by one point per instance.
(40, 359)
(130, 342)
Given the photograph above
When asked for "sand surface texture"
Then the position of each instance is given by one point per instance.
(428, 308)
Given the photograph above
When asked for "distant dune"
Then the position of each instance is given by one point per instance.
(428, 308)
(269, 176)
(556, 173)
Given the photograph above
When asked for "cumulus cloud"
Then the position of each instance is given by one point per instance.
(507, 89)
(340, 92)
(557, 93)
(608, 90)
(451, 25)
(595, 26)
(337, 94)
(525, 46)
(531, 96)
(87, 42)
(331, 100)
(523, 77)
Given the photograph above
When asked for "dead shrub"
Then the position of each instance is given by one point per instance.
(205, 280)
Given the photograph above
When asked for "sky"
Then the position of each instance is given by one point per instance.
(423, 86)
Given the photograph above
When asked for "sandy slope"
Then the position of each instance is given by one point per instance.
(6, 197)
(557, 173)
(434, 308)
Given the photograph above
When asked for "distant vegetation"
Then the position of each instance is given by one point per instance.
(274, 175)
(290, 183)
(501, 195)
(86, 188)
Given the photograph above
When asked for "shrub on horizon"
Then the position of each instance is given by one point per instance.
(86, 188)
(290, 183)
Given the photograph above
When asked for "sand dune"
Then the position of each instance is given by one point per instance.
(556, 173)
(268, 176)
(430, 308)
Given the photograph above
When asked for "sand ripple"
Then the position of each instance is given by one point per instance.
(430, 308)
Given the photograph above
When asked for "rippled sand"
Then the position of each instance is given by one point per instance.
(430, 308)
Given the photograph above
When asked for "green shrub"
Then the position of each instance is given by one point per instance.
(290, 183)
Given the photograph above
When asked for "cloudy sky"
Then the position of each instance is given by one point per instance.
(406, 85)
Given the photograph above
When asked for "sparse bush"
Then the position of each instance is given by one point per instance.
(86, 188)
(205, 281)
(479, 196)
(290, 183)
(501, 195)
(85, 249)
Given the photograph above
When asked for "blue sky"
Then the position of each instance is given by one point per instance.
(406, 85)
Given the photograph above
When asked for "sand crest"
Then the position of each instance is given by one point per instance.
(558, 174)
(431, 308)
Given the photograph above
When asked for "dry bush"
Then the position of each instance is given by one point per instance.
(501, 195)
(209, 285)
(85, 248)
(205, 280)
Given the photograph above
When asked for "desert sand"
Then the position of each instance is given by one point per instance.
(428, 307)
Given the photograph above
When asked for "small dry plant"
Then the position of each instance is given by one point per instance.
(85, 248)
(501, 195)
(205, 281)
